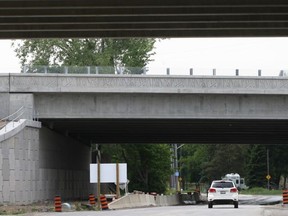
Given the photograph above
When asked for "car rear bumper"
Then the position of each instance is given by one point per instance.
(223, 201)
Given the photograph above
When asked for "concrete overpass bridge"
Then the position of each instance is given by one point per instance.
(38, 161)
(155, 109)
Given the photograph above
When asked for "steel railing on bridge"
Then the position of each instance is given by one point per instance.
(23, 112)
(83, 70)
(94, 70)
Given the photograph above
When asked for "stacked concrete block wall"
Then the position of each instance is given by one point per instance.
(64, 165)
(37, 164)
(19, 167)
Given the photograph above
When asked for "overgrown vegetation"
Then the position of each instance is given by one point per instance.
(203, 163)
(149, 165)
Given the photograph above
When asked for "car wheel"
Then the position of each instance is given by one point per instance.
(210, 204)
(236, 204)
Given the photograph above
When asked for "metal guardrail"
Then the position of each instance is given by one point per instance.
(83, 70)
(94, 70)
(22, 112)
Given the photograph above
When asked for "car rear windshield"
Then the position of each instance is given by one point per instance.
(222, 185)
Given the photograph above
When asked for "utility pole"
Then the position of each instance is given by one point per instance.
(175, 178)
(176, 167)
(98, 176)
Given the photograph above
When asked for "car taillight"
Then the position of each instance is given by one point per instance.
(233, 190)
(212, 190)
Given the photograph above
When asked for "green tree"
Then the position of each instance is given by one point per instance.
(134, 52)
(278, 162)
(209, 162)
(191, 160)
(226, 158)
(148, 164)
(257, 165)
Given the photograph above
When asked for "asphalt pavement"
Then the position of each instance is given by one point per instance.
(198, 210)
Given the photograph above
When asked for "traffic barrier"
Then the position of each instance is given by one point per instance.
(92, 199)
(285, 196)
(154, 194)
(144, 200)
(57, 204)
(104, 203)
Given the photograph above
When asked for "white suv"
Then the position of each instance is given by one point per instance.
(222, 192)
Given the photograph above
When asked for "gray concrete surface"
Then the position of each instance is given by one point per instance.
(4, 107)
(35, 165)
(19, 156)
(55, 83)
(138, 96)
(144, 200)
(163, 106)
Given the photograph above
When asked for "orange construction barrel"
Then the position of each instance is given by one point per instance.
(92, 199)
(104, 203)
(57, 204)
(285, 196)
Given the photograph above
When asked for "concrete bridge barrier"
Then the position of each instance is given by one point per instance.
(143, 200)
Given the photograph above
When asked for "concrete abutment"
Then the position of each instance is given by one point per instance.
(36, 164)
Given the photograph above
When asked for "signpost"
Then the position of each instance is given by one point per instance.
(110, 173)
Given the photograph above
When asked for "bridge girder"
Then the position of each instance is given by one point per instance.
(149, 18)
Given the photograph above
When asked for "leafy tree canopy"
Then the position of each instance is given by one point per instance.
(148, 164)
(86, 52)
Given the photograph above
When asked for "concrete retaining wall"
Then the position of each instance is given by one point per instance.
(37, 164)
(64, 165)
(19, 167)
(4, 107)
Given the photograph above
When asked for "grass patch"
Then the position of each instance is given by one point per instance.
(261, 191)
(12, 212)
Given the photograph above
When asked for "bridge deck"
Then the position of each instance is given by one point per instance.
(149, 18)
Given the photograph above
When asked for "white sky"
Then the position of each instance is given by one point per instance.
(9, 63)
(202, 54)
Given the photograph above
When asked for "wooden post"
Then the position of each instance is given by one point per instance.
(98, 178)
(117, 181)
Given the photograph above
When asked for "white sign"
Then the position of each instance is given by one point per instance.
(108, 173)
